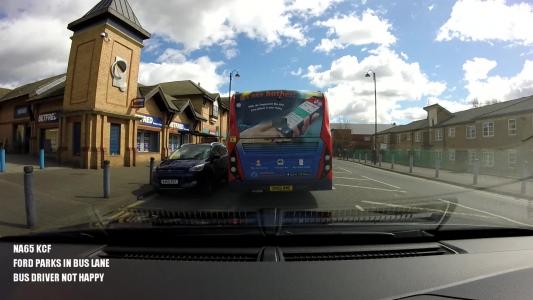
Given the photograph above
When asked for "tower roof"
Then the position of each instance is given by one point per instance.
(119, 10)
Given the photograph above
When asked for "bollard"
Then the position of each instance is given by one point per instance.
(437, 168)
(152, 163)
(476, 171)
(411, 163)
(525, 177)
(392, 162)
(107, 185)
(41, 159)
(379, 160)
(28, 197)
(366, 156)
(2, 160)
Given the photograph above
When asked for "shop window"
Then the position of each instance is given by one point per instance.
(185, 139)
(174, 142)
(49, 140)
(147, 141)
(76, 138)
(114, 139)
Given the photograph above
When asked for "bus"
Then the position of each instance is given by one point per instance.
(279, 141)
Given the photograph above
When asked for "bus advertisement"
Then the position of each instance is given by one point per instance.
(279, 141)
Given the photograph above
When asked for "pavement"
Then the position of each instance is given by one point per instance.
(496, 184)
(69, 196)
(66, 196)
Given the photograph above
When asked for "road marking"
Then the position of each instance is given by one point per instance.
(396, 187)
(369, 188)
(363, 179)
(337, 172)
(488, 213)
(423, 208)
(360, 208)
(345, 170)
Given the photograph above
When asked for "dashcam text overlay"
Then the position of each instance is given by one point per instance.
(47, 269)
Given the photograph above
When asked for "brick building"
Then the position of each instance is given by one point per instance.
(353, 136)
(98, 111)
(499, 135)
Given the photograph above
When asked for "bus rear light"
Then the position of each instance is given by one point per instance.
(233, 170)
(327, 167)
(327, 157)
(233, 159)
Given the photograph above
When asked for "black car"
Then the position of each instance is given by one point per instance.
(199, 166)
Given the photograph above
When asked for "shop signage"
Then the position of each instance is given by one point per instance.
(179, 126)
(48, 117)
(137, 103)
(21, 111)
(152, 121)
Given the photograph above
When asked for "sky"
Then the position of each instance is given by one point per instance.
(422, 52)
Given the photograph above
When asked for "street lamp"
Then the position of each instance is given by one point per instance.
(232, 74)
(372, 74)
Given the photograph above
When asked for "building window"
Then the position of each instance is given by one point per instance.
(488, 129)
(451, 155)
(185, 138)
(398, 138)
(408, 136)
(512, 158)
(214, 109)
(174, 142)
(147, 141)
(451, 132)
(471, 132)
(76, 138)
(49, 139)
(438, 134)
(114, 139)
(471, 156)
(511, 126)
(488, 158)
(417, 136)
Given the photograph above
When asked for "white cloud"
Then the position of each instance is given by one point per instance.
(431, 7)
(351, 94)
(404, 56)
(201, 70)
(297, 72)
(354, 30)
(492, 20)
(34, 38)
(312, 7)
(197, 24)
(450, 105)
(478, 68)
(486, 88)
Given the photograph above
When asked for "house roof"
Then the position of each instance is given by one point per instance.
(523, 104)
(472, 114)
(30, 89)
(359, 128)
(3, 92)
(224, 102)
(415, 125)
(184, 88)
(119, 10)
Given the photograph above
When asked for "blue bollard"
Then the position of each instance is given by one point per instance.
(41, 159)
(2, 160)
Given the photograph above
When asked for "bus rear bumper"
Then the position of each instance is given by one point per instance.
(301, 185)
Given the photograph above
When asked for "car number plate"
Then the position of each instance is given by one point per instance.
(169, 181)
(281, 188)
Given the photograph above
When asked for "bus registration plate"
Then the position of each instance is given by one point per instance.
(281, 188)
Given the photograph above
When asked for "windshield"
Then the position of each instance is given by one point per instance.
(327, 116)
(192, 152)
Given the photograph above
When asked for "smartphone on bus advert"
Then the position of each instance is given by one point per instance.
(297, 118)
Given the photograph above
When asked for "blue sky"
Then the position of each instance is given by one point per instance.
(447, 52)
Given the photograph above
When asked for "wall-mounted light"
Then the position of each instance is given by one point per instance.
(105, 36)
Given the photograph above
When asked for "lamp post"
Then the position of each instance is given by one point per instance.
(373, 74)
(231, 75)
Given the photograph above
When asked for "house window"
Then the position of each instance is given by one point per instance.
(451, 132)
(398, 138)
(386, 139)
(174, 142)
(417, 136)
(512, 158)
(214, 109)
(114, 139)
(147, 141)
(488, 158)
(511, 126)
(408, 136)
(471, 132)
(471, 156)
(488, 129)
(438, 134)
(451, 155)
(76, 138)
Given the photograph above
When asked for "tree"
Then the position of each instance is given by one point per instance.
(475, 102)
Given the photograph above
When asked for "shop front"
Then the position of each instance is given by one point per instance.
(149, 133)
(21, 130)
(179, 134)
(48, 133)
